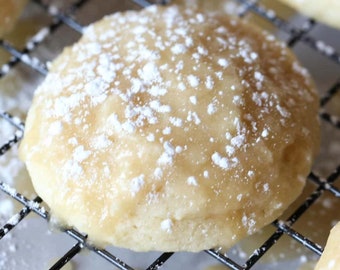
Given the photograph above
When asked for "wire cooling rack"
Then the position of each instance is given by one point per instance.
(301, 34)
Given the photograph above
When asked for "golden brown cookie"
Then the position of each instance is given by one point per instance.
(167, 129)
(9, 12)
(330, 259)
(326, 11)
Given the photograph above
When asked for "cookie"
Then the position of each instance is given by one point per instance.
(168, 129)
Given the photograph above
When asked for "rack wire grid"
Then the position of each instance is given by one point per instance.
(300, 33)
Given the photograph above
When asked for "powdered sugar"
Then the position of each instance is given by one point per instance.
(149, 73)
(192, 181)
(193, 81)
(178, 49)
(80, 154)
(238, 140)
(249, 223)
(137, 184)
(166, 225)
(223, 62)
(221, 161)
(177, 122)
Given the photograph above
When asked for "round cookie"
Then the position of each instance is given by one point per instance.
(9, 12)
(167, 129)
(330, 258)
(326, 11)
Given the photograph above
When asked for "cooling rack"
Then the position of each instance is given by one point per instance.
(301, 34)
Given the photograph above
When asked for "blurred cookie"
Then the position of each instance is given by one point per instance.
(330, 259)
(326, 11)
(9, 12)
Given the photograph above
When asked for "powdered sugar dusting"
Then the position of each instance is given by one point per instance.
(221, 161)
(249, 223)
(192, 181)
(137, 184)
(223, 62)
(193, 81)
(166, 225)
(80, 154)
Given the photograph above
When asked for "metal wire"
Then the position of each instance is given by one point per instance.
(297, 35)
